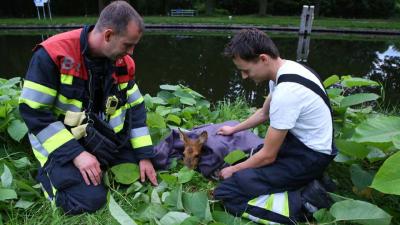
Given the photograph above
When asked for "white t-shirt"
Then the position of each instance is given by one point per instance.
(296, 108)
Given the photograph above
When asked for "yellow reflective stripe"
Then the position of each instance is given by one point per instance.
(58, 139)
(141, 141)
(137, 101)
(270, 202)
(67, 79)
(41, 158)
(117, 119)
(253, 202)
(117, 112)
(118, 128)
(286, 205)
(68, 101)
(32, 104)
(133, 89)
(123, 86)
(39, 87)
(58, 111)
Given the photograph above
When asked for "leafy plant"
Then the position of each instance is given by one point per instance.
(10, 120)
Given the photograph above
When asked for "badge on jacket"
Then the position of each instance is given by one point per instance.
(111, 105)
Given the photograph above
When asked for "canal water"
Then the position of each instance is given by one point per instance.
(195, 60)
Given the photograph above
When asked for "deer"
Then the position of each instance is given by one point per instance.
(192, 148)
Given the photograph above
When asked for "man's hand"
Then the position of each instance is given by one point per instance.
(226, 130)
(89, 168)
(227, 172)
(147, 170)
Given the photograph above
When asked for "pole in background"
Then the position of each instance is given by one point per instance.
(303, 46)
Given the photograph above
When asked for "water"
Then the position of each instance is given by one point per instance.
(195, 60)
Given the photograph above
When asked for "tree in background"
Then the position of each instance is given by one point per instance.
(262, 7)
(327, 8)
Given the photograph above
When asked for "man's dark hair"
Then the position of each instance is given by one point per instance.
(248, 44)
(117, 15)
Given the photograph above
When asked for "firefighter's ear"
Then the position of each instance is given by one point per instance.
(107, 34)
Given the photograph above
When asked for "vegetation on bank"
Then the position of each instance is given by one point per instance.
(366, 170)
(269, 21)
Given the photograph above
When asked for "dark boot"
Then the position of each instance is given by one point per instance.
(327, 183)
(314, 197)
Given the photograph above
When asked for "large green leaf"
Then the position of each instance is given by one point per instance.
(360, 178)
(334, 92)
(23, 204)
(6, 177)
(359, 212)
(396, 141)
(17, 130)
(356, 99)
(378, 129)
(173, 118)
(197, 204)
(331, 80)
(187, 101)
(126, 173)
(166, 95)
(193, 220)
(151, 211)
(173, 218)
(155, 120)
(175, 198)
(234, 156)
(387, 180)
(185, 175)
(6, 194)
(169, 179)
(226, 218)
(21, 163)
(351, 148)
(350, 82)
(154, 198)
(118, 213)
(169, 87)
(323, 216)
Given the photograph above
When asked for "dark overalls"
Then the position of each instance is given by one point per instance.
(272, 192)
(46, 88)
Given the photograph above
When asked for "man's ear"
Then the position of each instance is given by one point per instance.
(203, 137)
(264, 58)
(107, 34)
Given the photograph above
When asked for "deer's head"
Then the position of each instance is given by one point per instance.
(193, 147)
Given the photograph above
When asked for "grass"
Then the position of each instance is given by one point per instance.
(279, 21)
(42, 212)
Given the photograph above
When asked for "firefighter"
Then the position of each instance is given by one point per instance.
(84, 110)
(280, 181)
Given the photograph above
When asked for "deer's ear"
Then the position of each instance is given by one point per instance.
(203, 137)
(182, 135)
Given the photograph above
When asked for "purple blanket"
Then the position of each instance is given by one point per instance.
(214, 150)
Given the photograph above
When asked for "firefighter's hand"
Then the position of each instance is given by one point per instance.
(227, 172)
(147, 170)
(89, 168)
(226, 130)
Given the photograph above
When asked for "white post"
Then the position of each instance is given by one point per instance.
(303, 48)
(307, 17)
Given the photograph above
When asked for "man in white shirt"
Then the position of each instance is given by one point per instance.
(277, 182)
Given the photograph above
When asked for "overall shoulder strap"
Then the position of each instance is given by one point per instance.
(295, 78)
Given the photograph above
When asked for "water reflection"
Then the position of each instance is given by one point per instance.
(386, 71)
(196, 61)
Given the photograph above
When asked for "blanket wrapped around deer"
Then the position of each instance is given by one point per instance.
(202, 148)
